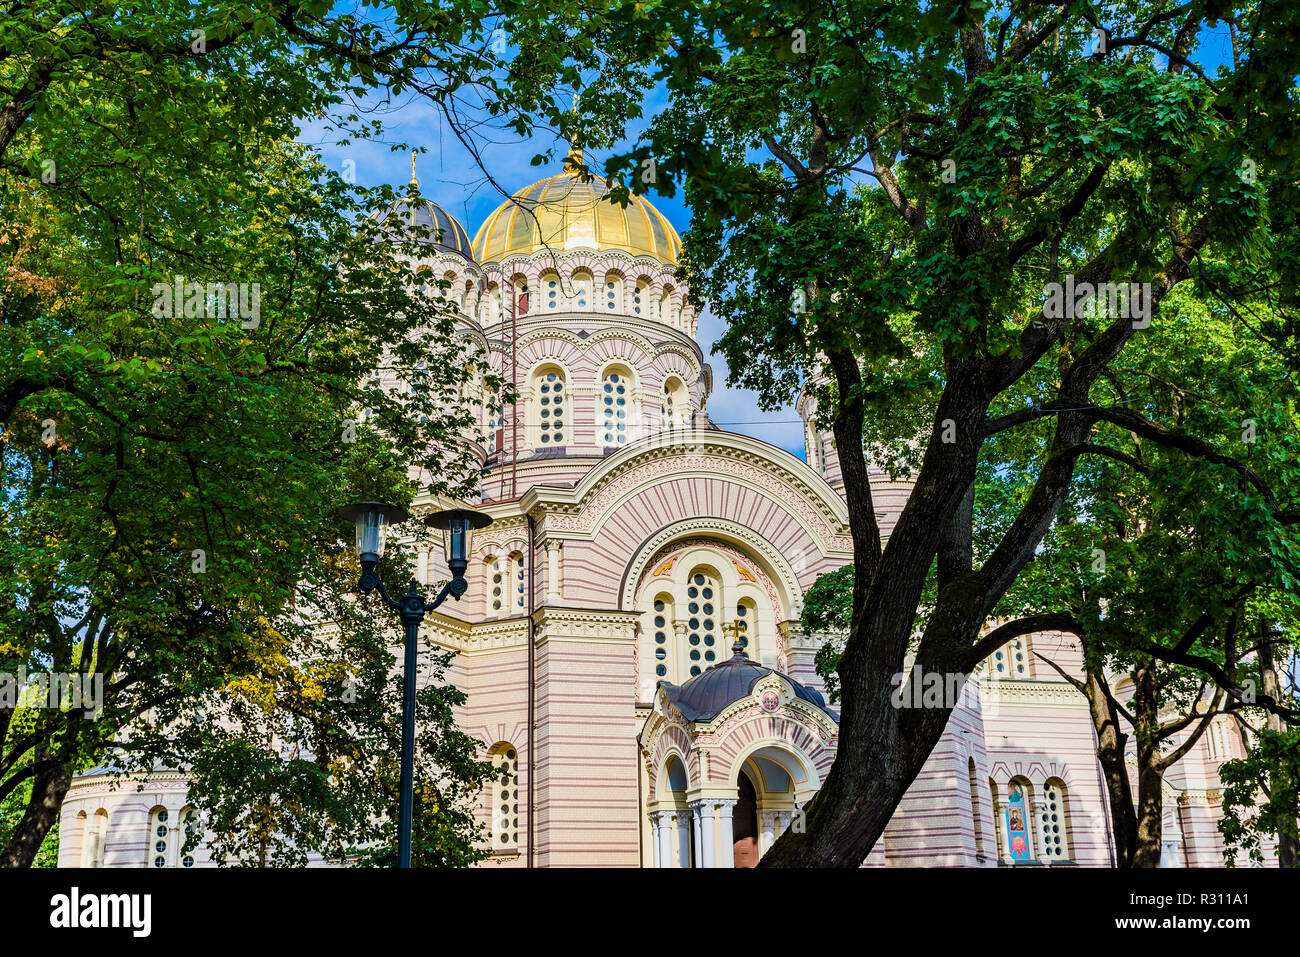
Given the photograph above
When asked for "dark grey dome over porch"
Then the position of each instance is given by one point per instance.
(436, 226)
(705, 696)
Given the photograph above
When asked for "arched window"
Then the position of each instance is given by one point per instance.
(747, 627)
(662, 630)
(492, 307)
(521, 297)
(581, 290)
(816, 455)
(676, 406)
(551, 288)
(188, 830)
(1056, 844)
(83, 828)
(518, 584)
(503, 797)
(160, 838)
(495, 591)
(548, 386)
(975, 809)
(616, 407)
(97, 845)
(613, 292)
(1012, 659)
(704, 602)
(664, 305)
(640, 296)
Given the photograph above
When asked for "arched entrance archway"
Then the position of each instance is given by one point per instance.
(744, 823)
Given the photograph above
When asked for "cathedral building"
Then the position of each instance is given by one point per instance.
(630, 643)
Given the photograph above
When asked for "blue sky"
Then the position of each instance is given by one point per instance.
(450, 177)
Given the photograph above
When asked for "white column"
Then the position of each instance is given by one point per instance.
(767, 831)
(728, 857)
(663, 849)
(422, 566)
(553, 570)
(699, 842)
(683, 838)
(707, 844)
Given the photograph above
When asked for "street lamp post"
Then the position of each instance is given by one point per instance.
(373, 519)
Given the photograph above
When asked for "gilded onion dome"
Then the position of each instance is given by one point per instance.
(564, 212)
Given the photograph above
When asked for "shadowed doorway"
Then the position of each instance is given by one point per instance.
(744, 823)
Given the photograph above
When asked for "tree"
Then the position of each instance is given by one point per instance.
(1261, 794)
(191, 308)
(1045, 182)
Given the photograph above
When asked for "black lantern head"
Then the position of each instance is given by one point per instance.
(457, 526)
(372, 520)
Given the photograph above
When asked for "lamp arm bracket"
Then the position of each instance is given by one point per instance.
(455, 588)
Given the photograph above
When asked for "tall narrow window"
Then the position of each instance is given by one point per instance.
(676, 404)
(550, 406)
(816, 456)
(581, 290)
(747, 627)
(613, 292)
(160, 838)
(640, 296)
(615, 407)
(665, 303)
(703, 602)
(98, 838)
(552, 292)
(663, 630)
(189, 827)
(496, 586)
(504, 797)
(83, 828)
(1052, 819)
(518, 583)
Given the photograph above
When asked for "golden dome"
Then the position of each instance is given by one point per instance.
(563, 212)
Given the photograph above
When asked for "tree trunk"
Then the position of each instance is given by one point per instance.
(1150, 772)
(1111, 744)
(881, 748)
(48, 789)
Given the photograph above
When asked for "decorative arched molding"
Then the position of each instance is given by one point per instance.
(675, 748)
(772, 472)
(813, 769)
(1037, 773)
(753, 546)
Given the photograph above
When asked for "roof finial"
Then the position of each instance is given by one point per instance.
(737, 628)
(414, 183)
(574, 159)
